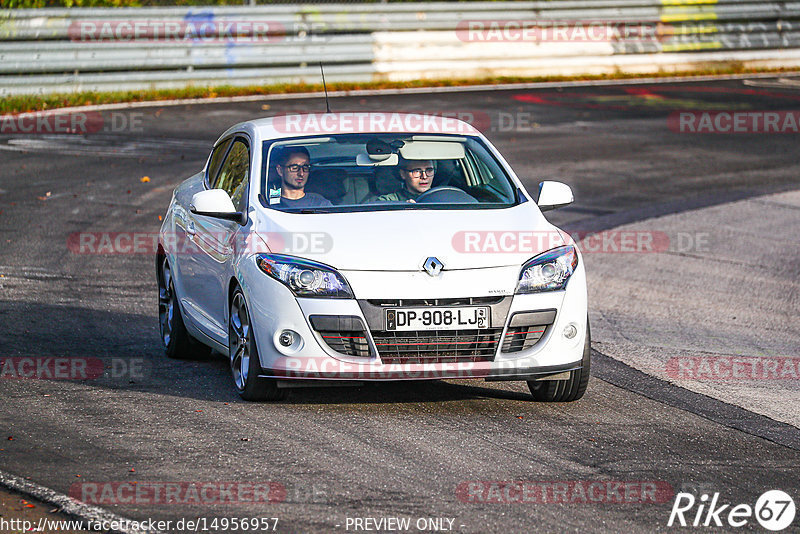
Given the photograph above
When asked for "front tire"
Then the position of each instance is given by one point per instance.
(178, 344)
(568, 390)
(245, 365)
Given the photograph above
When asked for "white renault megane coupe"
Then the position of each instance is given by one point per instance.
(352, 247)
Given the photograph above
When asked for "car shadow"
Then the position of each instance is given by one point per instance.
(122, 351)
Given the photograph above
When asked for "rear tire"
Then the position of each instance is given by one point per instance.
(568, 390)
(243, 352)
(178, 344)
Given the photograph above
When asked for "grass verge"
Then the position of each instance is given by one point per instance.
(30, 103)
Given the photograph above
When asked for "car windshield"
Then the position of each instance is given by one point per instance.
(367, 172)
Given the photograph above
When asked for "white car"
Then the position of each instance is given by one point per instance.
(353, 247)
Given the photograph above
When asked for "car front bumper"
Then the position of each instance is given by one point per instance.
(275, 310)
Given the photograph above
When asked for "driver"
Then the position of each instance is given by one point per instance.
(417, 176)
(293, 167)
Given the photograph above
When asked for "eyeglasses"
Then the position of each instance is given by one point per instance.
(416, 173)
(295, 168)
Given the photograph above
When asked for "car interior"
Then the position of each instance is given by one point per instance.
(358, 172)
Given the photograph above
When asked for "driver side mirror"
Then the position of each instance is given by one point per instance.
(554, 195)
(216, 203)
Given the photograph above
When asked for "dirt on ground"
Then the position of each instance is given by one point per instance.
(22, 515)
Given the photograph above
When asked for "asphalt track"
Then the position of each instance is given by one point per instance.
(387, 450)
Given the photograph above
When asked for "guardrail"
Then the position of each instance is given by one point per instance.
(67, 50)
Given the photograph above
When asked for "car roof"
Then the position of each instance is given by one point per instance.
(300, 125)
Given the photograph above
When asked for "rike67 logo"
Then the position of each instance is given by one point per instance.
(774, 510)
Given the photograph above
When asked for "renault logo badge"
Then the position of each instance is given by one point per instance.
(433, 266)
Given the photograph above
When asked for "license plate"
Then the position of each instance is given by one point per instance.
(468, 317)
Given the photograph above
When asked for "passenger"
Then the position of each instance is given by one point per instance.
(417, 176)
(294, 166)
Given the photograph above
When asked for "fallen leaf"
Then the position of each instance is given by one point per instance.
(129, 191)
(10, 438)
(144, 179)
(265, 107)
(160, 218)
(30, 506)
(245, 439)
(132, 470)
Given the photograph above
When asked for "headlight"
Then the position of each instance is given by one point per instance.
(548, 271)
(304, 277)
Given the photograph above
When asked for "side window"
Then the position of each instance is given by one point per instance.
(234, 174)
(216, 160)
(486, 175)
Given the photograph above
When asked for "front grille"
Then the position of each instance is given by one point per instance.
(343, 334)
(522, 337)
(437, 346)
(525, 329)
(349, 343)
(465, 301)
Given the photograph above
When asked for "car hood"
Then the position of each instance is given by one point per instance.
(403, 240)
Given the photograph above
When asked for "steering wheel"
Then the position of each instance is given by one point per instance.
(446, 194)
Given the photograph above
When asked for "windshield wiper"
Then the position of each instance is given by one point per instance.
(315, 210)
